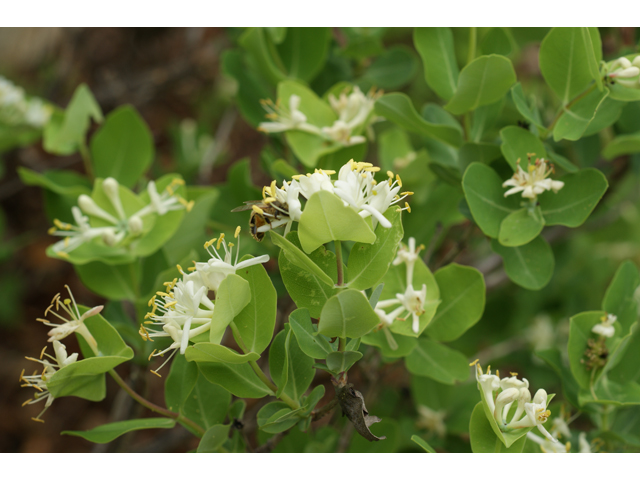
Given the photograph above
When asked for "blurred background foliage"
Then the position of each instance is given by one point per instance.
(198, 89)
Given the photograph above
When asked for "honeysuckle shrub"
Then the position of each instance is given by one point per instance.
(432, 207)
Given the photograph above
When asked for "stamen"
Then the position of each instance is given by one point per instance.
(235, 235)
(42, 352)
(257, 209)
(474, 362)
(514, 374)
(156, 373)
(220, 241)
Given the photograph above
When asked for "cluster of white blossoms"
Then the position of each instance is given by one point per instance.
(184, 310)
(16, 109)
(355, 186)
(605, 327)
(625, 72)
(50, 363)
(354, 111)
(534, 181)
(124, 227)
(411, 301)
(559, 430)
(528, 412)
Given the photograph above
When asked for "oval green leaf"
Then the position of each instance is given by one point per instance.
(530, 265)
(439, 362)
(520, 227)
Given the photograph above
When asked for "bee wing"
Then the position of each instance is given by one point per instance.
(248, 205)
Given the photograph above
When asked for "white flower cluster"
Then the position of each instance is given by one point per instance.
(605, 327)
(16, 109)
(355, 114)
(528, 413)
(534, 181)
(51, 364)
(123, 227)
(184, 310)
(625, 72)
(560, 429)
(411, 301)
(355, 186)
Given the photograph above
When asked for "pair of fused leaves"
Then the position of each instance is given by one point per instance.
(481, 82)
(276, 417)
(618, 382)
(528, 259)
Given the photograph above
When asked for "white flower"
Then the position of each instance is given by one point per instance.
(561, 427)
(541, 334)
(111, 188)
(410, 256)
(75, 322)
(76, 235)
(37, 113)
(282, 121)
(165, 202)
(432, 420)
(605, 327)
(355, 109)
(340, 132)
(487, 383)
(504, 398)
(216, 270)
(10, 95)
(585, 446)
(411, 301)
(90, 207)
(534, 181)
(624, 72)
(318, 181)
(39, 381)
(549, 446)
(536, 415)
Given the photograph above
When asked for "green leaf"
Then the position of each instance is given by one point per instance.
(306, 289)
(566, 59)
(391, 70)
(484, 119)
(485, 196)
(422, 443)
(62, 182)
(439, 362)
(290, 368)
(462, 291)
(570, 388)
(232, 296)
(213, 439)
(477, 152)
(398, 108)
(251, 89)
(276, 417)
(255, 41)
(298, 258)
(483, 81)
(317, 111)
(213, 352)
(579, 334)
(348, 314)
(484, 439)
(520, 227)
(180, 382)
(64, 134)
(312, 344)
(435, 46)
(574, 122)
(623, 94)
(390, 345)
(530, 265)
(110, 431)
(496, 40)
(257, 320)
(368, 263)
(518, 143)
(626, 370)
(530, 113)
(622, 145)
(562, 162)
(607, 114)
(573, 204)
(304, 51)
(240, 380)
(619, 298)
(339, 362)
(115, 282)
(325, 218)
(123, 147)
(206, 403)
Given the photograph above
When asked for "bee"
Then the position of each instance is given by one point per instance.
(271, 213)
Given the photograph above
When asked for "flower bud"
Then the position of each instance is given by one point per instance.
(135, 225)
(111, 189)
(109, 238)
(89, 206)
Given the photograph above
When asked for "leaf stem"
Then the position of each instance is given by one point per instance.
(576, 99)
(342, 344)
(153, 407)
(473, 40)
(261, 375)
(86, 159)
(338, 246)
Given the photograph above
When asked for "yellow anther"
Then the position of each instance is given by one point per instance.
(474, 362)
(237, 232)
(257, 209)
(269, 200)
(273, 188)
(296, 177)
(48, 309)
(180, 269)
(37, 419)
(21, 375)
(406, 193)
(497, 373)
(67, 301)
(58, 224)
(328, 172)
(156, 373)
(178, 181)
(170, 304)
(42, 352)
(514, 374)
(374, 192)
(407, 207)
(151, 301)
(28, 401)
(220, 241)
(231, 244)
(488, 369)
(148, 315)
(567, 446)
(154, 351)
(191, 269)
(399, 180)
(390, 174)
(63, 254)
(52, 230)
(66, 242)
(170, 190)
(189, 206)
